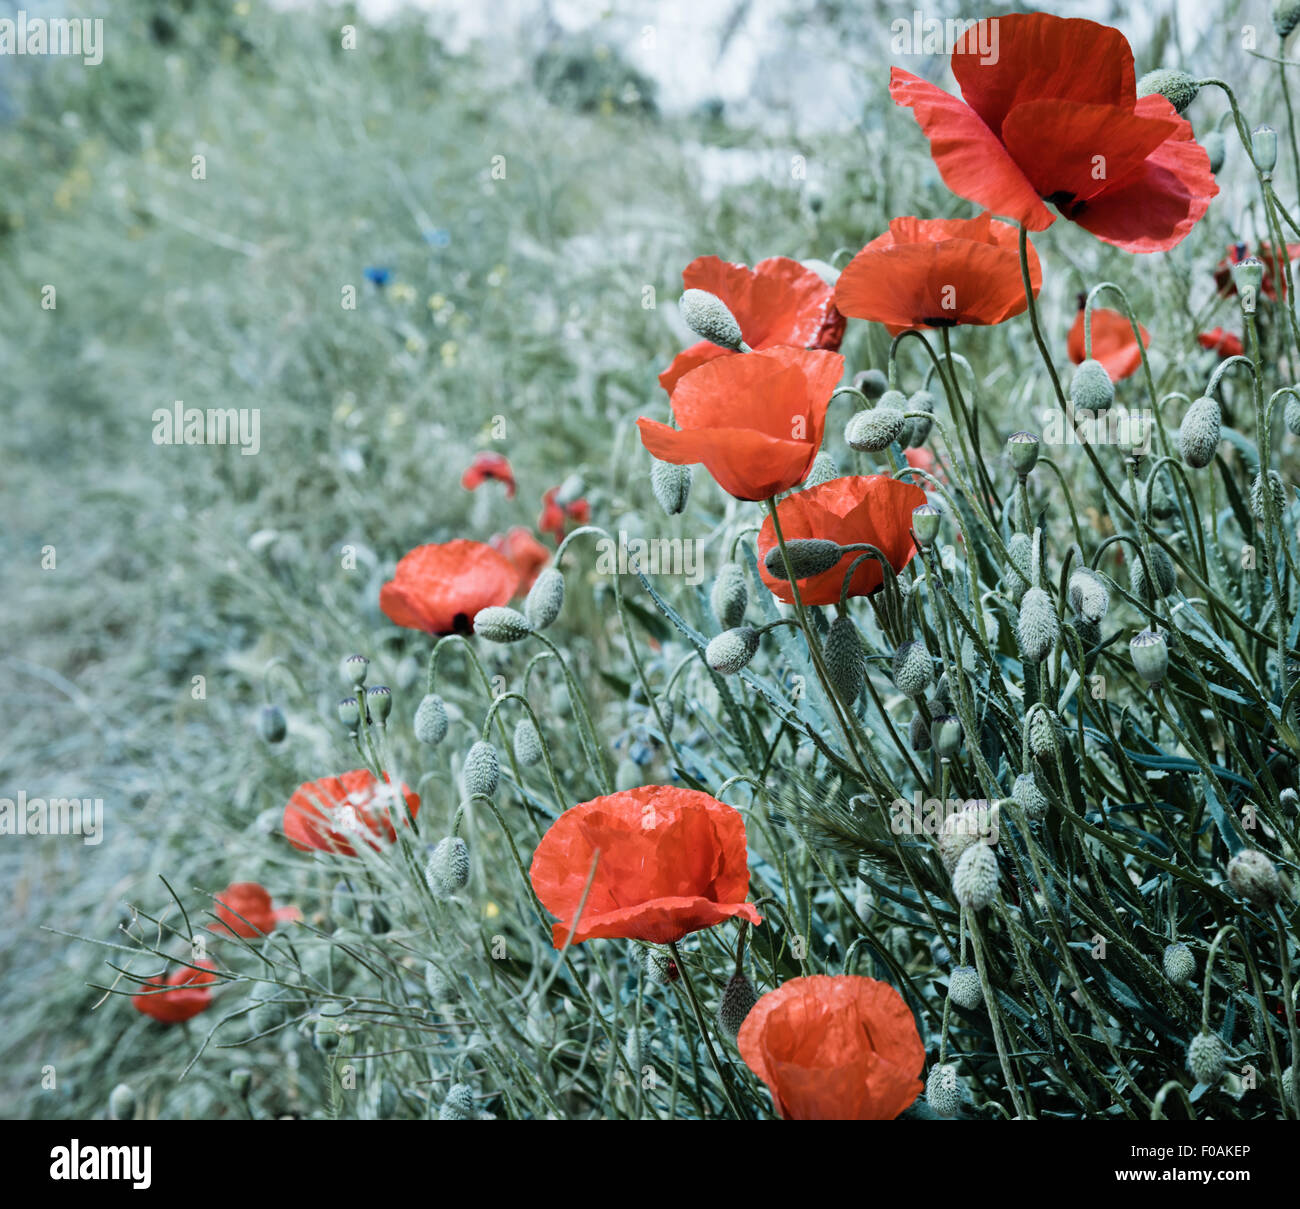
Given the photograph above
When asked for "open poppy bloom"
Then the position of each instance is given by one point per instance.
(1113, 343)
(331, 814)
(668, 862)
(181, 997)
(555, 517)
(244, 909)
(1220, 340)
(755, 420)
(1057, 119)
(441, 589)
(873, 509)
(839, 1048)
(1274, 271)
(937, 272)
(485, 466)
(523, 552)
(776, 302)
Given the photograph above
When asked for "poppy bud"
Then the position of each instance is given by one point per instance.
(1029, 797)
(945, 734)
(808, 556)
(448, 867)
(918, 733)
(545, 598)
(1292, 415)
(1022, 449)
(1177, 87)
(1288, 799)
(497, 623)
(1286, 15)
(975, 880)
(942, 1091)
(437, 985)
(1198, 439)
(737, 1001)
(965, 988)
(659, 967)
(349, 712)
(671, 485)
(1263, 147)
(527, 743)
(1021, 550)
(1248, 277)
(874, 430)
(925, 524)
(1044, 734)
(732, 650)
(459, 1104)
(379, 702)
(1254, 877)
(1277, 489)
(1088, 595)
(729, 596)
(912, 670)
(271, 725)
(1039, 627)
(846, 661)
(570, 490)
(1216, 147)
(872, 383)
(121, 1103)
(354, 668)
(1150, 656)
(482, 771)
(1205, 1058)
(241, 1078)
(1179, 963)
(708, 317)
(823, 470)
(1162, 504)
(959, 832)
(1162, 567)
(1091, 388)
(431, 720)
(921, 400)
(666, 712)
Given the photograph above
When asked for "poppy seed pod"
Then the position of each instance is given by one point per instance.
(1255, 878)
(497, 623)
(482, 771)
(1177, 87)
(459, 1104)
(1029, 797)
(942, 1091)
(808, 556)
(1021, 550)
(1216, 147)
(527, 743)
(874, 430)
(121, 1103)
(1162, 567)
(1091, 388)
(975, 880)
(1198, 438)
(1150, 656)
(1088, 595)
(1205, 1058)
(729, 596)
(946, 734)
(545, 598)
(1178, 962)
(921, 400)
(912, 670)
(271, 725)
(349, 712)
(671, 485)
(431, 720)
(732, 650)
(1248, 277)
(379, 702)
(1277, 489)
(925, 524)
(353, 669)
(448, 867)
(872, 383)
(1263, 147)
(710, 319)
(1022, 450)
(823, 470)
(1039, 628)
(737, 1002)
(846, 661)
(965, 988)
(1286, 16)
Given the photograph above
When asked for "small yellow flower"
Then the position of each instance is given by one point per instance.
(402, 292)
(436, 302)
(491, 911)
(414, 344)
(243, 8)
(448, 353)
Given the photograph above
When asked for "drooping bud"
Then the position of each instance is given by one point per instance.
(1216, 147)
(671, 485)
(921, 400)
(379, 702)
(846, 661)
(823, 470)
(1162, 504)
(710, 319)
(1150, 655)
(448, 867)
(872, 383)
(918, 733)
(1277, 489)
(1286, 16)
(1091, 388)
(459, 1104)
(1039, 628)
(1088, 595)
(738, 1000)
(271, 725)
(1029, 797)
(1292, 415)
(942, 1091)
(912, 670)
(964, 987)
(732, 650)
(1022, 450)
(946, 735)
(497, 623)
(660, 969)
(121, 1103)
(876, 429)
(808, 556)
(975, 880)
(1263, 146)
(925, 524)
(1179, 963)
(1255, 878)
(431, 720)
(730, 596)
(545, 598)
(1198, 439)
(1177, 87)
(1205, 1058)
(1162, 570)
(349, 712)
(482, 771)
(527, 743)
(354, 668)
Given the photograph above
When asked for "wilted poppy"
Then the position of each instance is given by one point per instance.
(1055, 117)
(1274, 271)
(776, 302)
(329, 814)
(754, 420)
(668, 862)
(523, 552)
(180, 997)
(1221, 341)
(440, 589)
(485, 466)
(1113, 343)
(555, 516)
(937, 272)
(244, 909)
(872, 509)
(834, 1049)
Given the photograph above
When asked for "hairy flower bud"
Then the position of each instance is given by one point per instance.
(738, 1000)
(1179, 963)
(121, 1103)
(527, 743)
(872, 383)
(660, 969)
(1255, 878)
(1039, 628)
(431, 720)
(1216, 147)
(912, 669)
(1029, 797)
(846, 661)
(671, 485)
(964, 987)
(497, 623)
(482, 771)
(545, 598)
(1150, 655)
(1022, 450)
(1205, 1058)
(1286, 16)
(1198, 438)
(1277, 489)
(918, 733)
(1091, 388)
(1292, 415)
(729, 596)
(808, 556)
(874, 430)
(1045, 734)
(943, 1091)
(271, 725)
(459, 1104)
(1088, 595)
(975, 880)
(1162, 569)
(1177, 87)
(732, 650)
(448, 867)
(1021, 550)
(921, 400)
(708, 317)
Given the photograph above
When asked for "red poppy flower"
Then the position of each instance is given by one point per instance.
(523, 552)
(1274, 272)
(776, 302)
(874, 509)
(440, 589)
(555, 517)
(1221, 341)
(1112, 342)
(838, 1048)
(486, 466)
(181, 997)
(1057, 118)
(755, 420)
(244, 909)
(668, 862)
(329, 814)
(937, 272)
